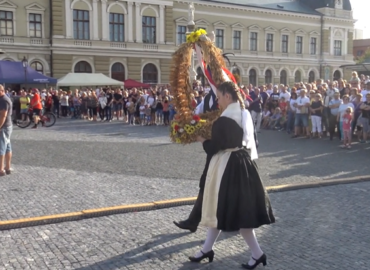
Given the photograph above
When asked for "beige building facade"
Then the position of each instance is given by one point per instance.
(135, 39)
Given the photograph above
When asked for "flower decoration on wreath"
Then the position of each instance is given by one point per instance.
(187, 126)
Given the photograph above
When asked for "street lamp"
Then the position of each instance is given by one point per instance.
(25, 66)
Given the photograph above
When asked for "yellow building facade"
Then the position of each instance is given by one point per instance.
(135, 39)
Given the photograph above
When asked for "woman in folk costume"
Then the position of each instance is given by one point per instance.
(234, 196)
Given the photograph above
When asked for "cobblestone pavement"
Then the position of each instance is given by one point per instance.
(318, 229)
(79, 165)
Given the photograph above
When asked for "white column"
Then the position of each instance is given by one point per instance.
(69, 18)
(138, 23)
(162, 28)
(130, 22)
(104, 18)
(345, 45)
(331, 49)
(95, 21)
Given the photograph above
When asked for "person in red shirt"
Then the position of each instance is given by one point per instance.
(36, 106)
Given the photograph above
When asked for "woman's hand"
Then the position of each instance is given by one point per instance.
(200, 139)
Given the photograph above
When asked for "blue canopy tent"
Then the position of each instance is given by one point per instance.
(14, 73)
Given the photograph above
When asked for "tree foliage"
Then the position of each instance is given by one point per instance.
(364, 57)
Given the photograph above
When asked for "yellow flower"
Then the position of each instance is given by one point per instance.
(202, 121)
(174, 132)
(178, 140)
(202, 32)
(174, 124)
(188, 39)
(198, 125)
(191, 130)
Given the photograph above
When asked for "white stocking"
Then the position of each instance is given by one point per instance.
(250, 237)
(212, 235)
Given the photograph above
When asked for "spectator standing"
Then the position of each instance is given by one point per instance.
(365, 109)
(334, 110)
(256, 108)
(6, 128)
(301, 117)
(316, 115)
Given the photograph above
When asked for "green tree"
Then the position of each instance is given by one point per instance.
(364, 57)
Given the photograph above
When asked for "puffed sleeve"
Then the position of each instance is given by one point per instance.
(214, 145)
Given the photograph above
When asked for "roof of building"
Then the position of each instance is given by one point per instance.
(297, 6)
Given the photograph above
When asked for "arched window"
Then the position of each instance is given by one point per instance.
(38, 67)
(297, 76)
(268, 76)
(200, 76)
(150, 74)
(311, 77)
(118, 72)
(83, 67)
(337, 75)
(253, 77)
(283, 77)
(236, 73)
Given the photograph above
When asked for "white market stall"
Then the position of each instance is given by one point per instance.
(87, 79)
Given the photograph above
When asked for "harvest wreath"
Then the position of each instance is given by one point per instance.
(187, 126)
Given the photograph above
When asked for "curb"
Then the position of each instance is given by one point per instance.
(157, 205)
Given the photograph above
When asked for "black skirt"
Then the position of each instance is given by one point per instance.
(242, 201)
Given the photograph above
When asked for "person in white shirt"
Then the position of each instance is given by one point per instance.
(342, 110)
(269, 89)
(284, 93)
(365, 91)
(301, 117)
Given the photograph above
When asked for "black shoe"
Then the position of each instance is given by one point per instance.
(186, 226)
(208, 255)
(262, 259)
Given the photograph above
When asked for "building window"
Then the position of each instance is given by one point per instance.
(269, 42)
(116, 27)
(313, 45)
(337, 47)
(149, 29)
(150, 74)
(181, 34)
(360, 53)
(81, 24)
(253, 41)
(284, 43)
(38, 67)
(6, 23)
(83, 67)
(118, 72)
(253, 77)
(297, 76)
(311, 77)
(35, 22)
(283, 77)
(268, 76)
(237, 40)
(220, 38)
(299, 48)
(337, 75)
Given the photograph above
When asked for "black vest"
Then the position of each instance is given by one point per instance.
(207, 98)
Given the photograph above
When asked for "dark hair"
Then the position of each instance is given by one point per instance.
(294, 94)
(229, 88)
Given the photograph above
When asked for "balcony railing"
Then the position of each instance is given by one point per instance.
(36, 41)
(7, 40)
(82, 43)
(118, 45)
(150, 47)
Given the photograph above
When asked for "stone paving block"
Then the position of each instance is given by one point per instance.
(78, 165)
(319, 228)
